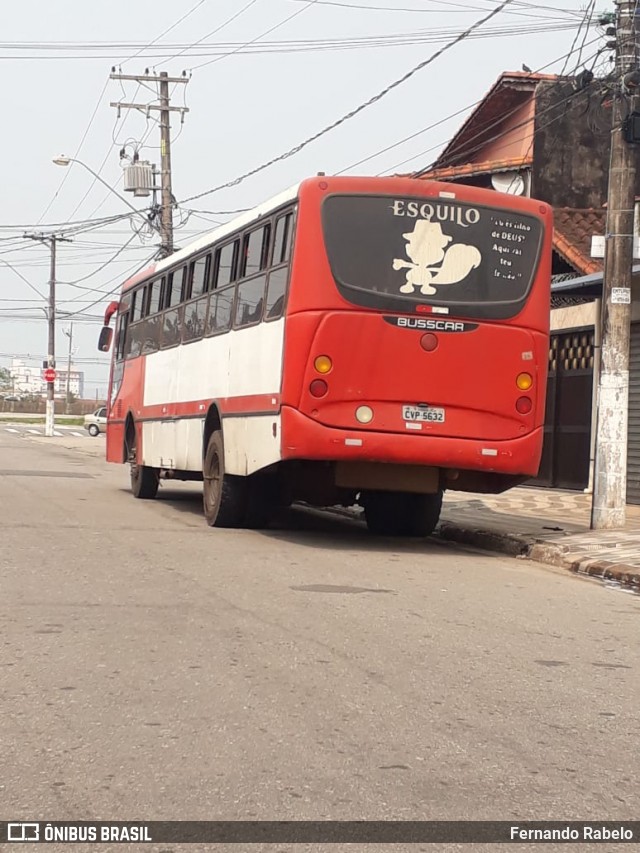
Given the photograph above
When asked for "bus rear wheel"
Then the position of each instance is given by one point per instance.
(224, 496)
(144, 480)
(401, 513)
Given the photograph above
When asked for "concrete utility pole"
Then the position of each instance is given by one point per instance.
(165, 165)
(165, 109)
(51, 240)
(69, 334)
(610, 482)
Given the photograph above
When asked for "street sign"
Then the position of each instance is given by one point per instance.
(49, 375)
(621, 295)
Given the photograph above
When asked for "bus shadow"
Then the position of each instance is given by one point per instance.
(329, 529)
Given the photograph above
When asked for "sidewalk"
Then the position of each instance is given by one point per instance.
(548, 526)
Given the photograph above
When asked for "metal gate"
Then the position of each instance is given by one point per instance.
(633, 444)
(567, 429)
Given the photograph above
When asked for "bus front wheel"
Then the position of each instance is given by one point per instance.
(401, 513)
(224, 496)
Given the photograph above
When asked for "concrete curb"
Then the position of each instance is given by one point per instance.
(541, 552)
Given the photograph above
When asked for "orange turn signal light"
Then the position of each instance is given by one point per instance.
(524, 381)
(323, 364)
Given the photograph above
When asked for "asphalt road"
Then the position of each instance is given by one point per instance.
(155, 668)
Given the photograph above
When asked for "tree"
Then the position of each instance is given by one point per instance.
(5, 379)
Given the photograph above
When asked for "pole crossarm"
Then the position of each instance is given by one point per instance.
(144, 107)
(149, 78)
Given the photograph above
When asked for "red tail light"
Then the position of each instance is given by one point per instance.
(318, 388)
(429, 342)
(523, 405)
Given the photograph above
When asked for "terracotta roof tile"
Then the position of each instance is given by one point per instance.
(467, 170)
(573, 230)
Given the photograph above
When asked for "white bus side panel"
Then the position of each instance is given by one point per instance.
(236, 364)
(173, 444)
(249, 443)
(241, 363)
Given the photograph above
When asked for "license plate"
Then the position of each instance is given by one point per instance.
(423, 413)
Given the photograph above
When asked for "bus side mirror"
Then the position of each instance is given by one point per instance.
(106, 336)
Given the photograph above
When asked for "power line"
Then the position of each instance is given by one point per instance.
(59, 226)
(431, 35)
(216, 29)
(445, 3)
(439, 144)
(78, 150)
(115, 289)
(586, 18)
(168, 30)
(359, 108)
(463, 8)
(97, 106)
(284, 21)
(25, 280)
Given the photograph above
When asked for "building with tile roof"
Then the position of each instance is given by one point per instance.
(547, 137)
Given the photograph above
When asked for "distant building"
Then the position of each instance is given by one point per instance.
(25, 379)
(28, 380)
(76, 382)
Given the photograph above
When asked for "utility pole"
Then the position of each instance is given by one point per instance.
(165, 165)
(610, 482)
(51, 240)
(69, 334)
(165, 109)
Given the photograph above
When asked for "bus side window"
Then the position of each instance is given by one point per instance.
(195, 313)
(123, 323)
(249, 302)
(276, 290)
(282, 239)
(167, 290)
(134, 346)
(144, 301)
(220, 310)
(185, 287)
(173, 288)
(199, 276)
(226, 263)
(137, 304)
(171, 327)
(255, 251)
(153, 300)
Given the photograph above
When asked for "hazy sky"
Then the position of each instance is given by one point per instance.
(245, 108)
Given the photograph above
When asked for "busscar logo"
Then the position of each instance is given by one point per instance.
(23, 832)
(427, 324)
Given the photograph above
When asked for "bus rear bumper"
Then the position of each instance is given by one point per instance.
(303, 438)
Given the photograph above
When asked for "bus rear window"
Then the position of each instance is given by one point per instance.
(397, 253)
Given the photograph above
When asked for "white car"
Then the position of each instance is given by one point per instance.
(96, 422)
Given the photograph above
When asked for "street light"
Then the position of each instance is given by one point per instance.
(63, 160)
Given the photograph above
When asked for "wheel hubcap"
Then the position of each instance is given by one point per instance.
(135, 471)
(212, 480)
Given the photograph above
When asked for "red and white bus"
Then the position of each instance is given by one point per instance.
(353, 340)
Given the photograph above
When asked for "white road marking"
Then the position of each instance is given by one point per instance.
(8, 429)
(34, 431)
(59, 434)
(79, 434)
